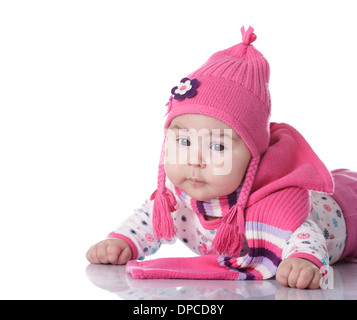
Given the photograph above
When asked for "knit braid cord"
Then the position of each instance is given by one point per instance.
(164, 204)
(247, 186)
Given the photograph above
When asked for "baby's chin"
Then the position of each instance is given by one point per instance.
(200, 193)
(196, 192)
(200, 198)
(205, 194)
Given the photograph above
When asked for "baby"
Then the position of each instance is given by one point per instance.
(250, 197)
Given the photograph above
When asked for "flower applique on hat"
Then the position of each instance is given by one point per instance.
(185, 89)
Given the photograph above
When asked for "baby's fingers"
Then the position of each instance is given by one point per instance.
(283, 272)
(316, 280)
(113, 253)
(293, 277)
(309, 278)
(102, 252)
(92, 254)
(118, 251)
(305, 277)
(125, 256)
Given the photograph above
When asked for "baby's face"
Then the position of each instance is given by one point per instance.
(204, 156)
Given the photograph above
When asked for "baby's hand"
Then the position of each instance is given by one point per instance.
(114, 251)
(298, 273)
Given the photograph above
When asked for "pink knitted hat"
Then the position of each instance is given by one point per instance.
(232, 86)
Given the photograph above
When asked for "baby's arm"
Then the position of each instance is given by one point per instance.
(303, 257)
(138, 232)
(132, 240)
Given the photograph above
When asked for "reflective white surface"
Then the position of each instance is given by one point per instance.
(114, 279)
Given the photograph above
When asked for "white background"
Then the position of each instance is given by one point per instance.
(83, 88)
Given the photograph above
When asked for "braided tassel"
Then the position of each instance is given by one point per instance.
(165, 203)
(229, 238)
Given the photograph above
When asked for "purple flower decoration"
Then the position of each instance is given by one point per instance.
(186, 89)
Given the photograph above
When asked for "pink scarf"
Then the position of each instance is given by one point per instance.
(217, 207)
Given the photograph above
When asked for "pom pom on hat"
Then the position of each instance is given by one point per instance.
(248, 37)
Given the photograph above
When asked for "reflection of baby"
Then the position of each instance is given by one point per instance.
(115, 280)
(275, 211)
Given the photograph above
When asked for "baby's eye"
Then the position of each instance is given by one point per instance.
(184, 142)
(217, 147)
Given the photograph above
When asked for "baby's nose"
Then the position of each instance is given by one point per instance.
(196, 158)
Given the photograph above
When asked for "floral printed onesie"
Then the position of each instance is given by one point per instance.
(320, 239)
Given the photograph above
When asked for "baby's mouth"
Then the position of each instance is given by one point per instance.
(195, 180)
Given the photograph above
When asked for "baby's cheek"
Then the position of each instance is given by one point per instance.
(174, 173)
(226, 184)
